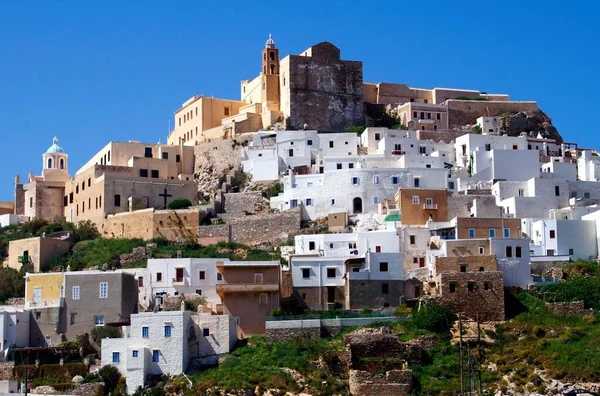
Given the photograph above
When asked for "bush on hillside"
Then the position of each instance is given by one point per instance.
(110, 375)
(180, 203)
(101, 332)
(434, 317)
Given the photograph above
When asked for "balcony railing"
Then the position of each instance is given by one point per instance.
(32, 304)
(247, 287)
(182, 281)
(24, 259)
(430, 206)
(398, 152)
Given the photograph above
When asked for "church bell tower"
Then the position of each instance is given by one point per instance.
(270, 76)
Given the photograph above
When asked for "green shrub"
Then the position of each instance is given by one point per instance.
(180, 203)
(110, 375)
(101, 332)
(86, 230)
(403, 310)
(358, 129)
(434, 317)
(192, 305)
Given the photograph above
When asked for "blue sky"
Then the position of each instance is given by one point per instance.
(91, 72)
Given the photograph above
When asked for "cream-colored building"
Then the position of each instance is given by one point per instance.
(129, 176)
(42, 195)
(38, 252)
(423, 116)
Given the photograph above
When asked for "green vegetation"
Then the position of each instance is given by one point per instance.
(470, 98)
(358, 129)
(273, 190)
(12, 283)
(97, 252)
(477, 129)
(111, 377)
(181, 203)
(400, 126)
(231, 250)
(101, 332)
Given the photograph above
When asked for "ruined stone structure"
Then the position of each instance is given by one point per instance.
(575, 308)
(320, 89)
(465, 112)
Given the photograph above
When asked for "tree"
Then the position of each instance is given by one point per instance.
(12, 283)
(110, 375)
(86, 230)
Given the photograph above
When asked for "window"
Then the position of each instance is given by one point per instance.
(350, 166)
(159, 276)
(290, 152)
(141, 281)
(75, 293)
(378, 249)
(177, 158)
(226, 111)
(308, 202)
(167, 330)
(415, 199)
(471, 286)
(305, 273)
(552, 234)
(521, 192)
(70, 197)
(438, 116)
(452, 287)
(517, 251)
(375, 200)
(507, 233)
(556, 190)
(515, 147)
(422, 149)
(205, 332)
(155, 356)
(471, 233)
(338, 166)
(103, 290)
(429, 202)
(331, 272)
(263, 299)
(355, 180)
(154, 174)
(116, 357)
(509, 251)
(415, 260)
(492, 233)
(117, 201)
(83, 186)
(98, 320)
(31, 202)
(145, 332)
(481, 249)
(165, 155)
(412, 239)
(385, 288)
(148, 152)
(311, 245)
(73, 318)
(143, 172)
(331, 144)
(571, 252)
(383, 266)
(422, 115)
(488, 147)
(450, 185)
(219, 276)
(486, 286)
(416, 180)
(202, 275)
(332, 202)
(586, 195)
(415, 114)
(376, 179)
(377, 136)
(293, 203)
(134, 353)
(395, 180)
(481, 269)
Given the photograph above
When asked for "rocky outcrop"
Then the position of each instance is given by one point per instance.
(532, 122)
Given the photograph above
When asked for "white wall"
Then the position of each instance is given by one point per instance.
(12, 219)
(516, 270)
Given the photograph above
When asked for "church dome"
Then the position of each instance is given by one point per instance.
(55, 148)
(270, 42)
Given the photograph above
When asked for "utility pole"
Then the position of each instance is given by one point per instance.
(479, 352)
(460, 353)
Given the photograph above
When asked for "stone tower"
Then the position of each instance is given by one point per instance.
(55, 166)
(270, 76)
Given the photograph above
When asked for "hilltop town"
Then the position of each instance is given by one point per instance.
(319, 235)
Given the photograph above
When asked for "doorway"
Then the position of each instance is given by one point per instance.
(357, 205)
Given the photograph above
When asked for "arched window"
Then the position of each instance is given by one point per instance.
(265, 69)
(62, 163)
(265, 56)
(49, 163)
(272, 55)
(272, 69)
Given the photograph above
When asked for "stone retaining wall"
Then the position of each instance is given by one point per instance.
(394, 383)
(466, 112)
(285, 330)
(575, 308)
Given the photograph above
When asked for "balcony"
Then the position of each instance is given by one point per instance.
(24, 259)
(182, 281)
(428, 121)
(398, 152)
(223, 288)
(31, 304)
(430, 206)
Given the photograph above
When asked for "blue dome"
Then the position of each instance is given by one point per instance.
(55, 148)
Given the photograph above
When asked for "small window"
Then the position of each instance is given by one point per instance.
(331, 272)
(263, 299)
(331, 244)
(417, 182)
(450, 185)
(154, 174)
(143, 172)
(571, 252)
(219, 276)
(556, 190)
(75, 293)
(471, 286)
(103, 290)
(377, 136)
(205, 332)
(331, 144)
(415, 199)
(517, 251)
(438, 116)
(350, 166)
(492, 233)
(167, 330)
(481, 269)
(355, 181)
(481, 249)
(73, 318)
(332, 202)
(415, 114)
(199, 292)
(177, 158)
(290, 152)
(394, 180)
(116, 357)
(383, 267)
(165, 155)
(471, 233)
(488, 147)
(145, 332)
(463, 267)
(226, 111)
(507, 233)
(308, 202)
(552, 234)
(385, 288)
(375, 179)
(309, 142)
(375, 200)
(148, 152)
(305, 273)
(311, 245)
(412, 239)
(452, 287)
(202, 275)
(509, 251)
(98, 320)
(155, 356)
(422, 149)
(134, 353)
(159, 276)
(486, 286)
(338, 166)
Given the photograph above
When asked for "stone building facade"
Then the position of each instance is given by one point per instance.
(320, 89)
(37, 251)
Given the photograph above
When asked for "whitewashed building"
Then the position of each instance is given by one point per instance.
(14, 328)
(12, 219)
(588, 166)
(165, 342)
(573, 238)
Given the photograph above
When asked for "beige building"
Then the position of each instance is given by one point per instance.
(422, 116)
(129, 176)
(42, 195)
(7, 208)
(418, 205)
(38, 252)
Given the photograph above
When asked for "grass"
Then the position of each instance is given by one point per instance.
(99, 251)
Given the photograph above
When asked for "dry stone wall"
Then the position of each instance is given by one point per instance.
(394, 383)
(575, 308)
(466, 112)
